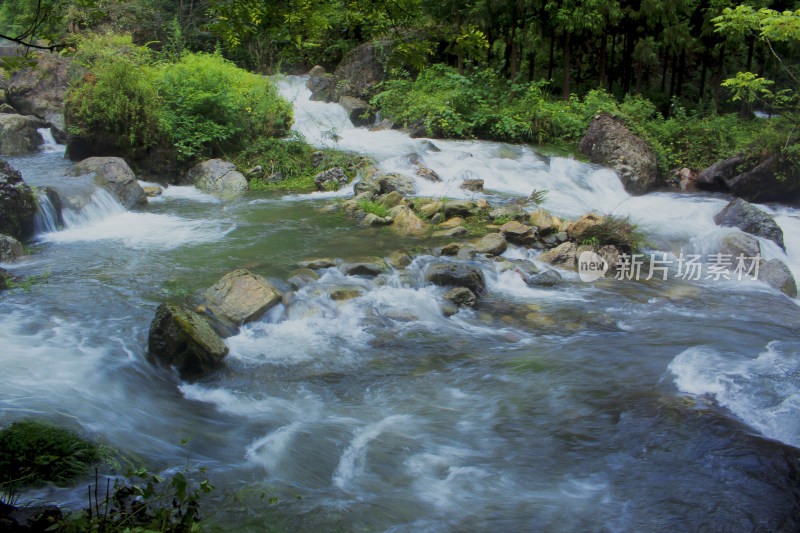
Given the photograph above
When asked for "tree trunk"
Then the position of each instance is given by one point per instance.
(718, 80)
(681, 69)
(565, 83)
(601, 77)
(703, 73)
(552, 50)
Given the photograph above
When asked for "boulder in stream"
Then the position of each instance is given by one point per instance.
(519, 233)
(364, 266)
(778, 276)
(19, 135)
(184, 340)
(216, 176)
(10, 249)
(562, 255)
(377, 183)
(330, 180)
(456, 274)
(17, 203)
(358, 110)
(461, 296)
(115, 176)
(492, 244)
(750, 219)
(240, 297)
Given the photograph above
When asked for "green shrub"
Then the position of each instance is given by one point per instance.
(375, 208)
(617, 231)
(33, 451)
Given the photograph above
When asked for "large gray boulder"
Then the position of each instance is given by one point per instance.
(216, 176)
(752, 179)
(17, 203)
(10, 249)
(778, 276)
(115, 176)
(750, 219)
(182, 339)
(609, 142)
(456, 274)
(240, 297)
(40, 90)
(375, 183)
(358, 110)
(319, 83)
(360, 70)
(18, 134)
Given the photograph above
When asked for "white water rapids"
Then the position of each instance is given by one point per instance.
(612, 406)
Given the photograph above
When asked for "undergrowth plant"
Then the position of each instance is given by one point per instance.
(618, 231)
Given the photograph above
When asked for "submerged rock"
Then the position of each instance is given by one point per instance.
(241, 297)
(17, 203)
(750, 219)
(474, 185)
(10, 249)
(216, 176)
(398, 259)
(461, 296)
(317, 263)
(342, 294)
(364, 266)
(184, 340)
(548, 278)
(153, 192)
(301, 277)
(609, 142)
(451, 274)
(358, 110)
(115, 176)
(739, 243)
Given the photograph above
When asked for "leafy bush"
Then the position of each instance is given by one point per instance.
(33, 451)
(617, 231)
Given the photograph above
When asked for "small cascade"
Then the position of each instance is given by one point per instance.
(102, 206)
(47, 218)
(49, 143)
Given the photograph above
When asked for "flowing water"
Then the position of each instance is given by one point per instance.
(613, 406)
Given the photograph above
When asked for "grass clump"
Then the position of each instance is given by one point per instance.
(33, 452)
(374, 208)
(617, 231)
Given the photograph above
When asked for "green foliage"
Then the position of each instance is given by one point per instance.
(375, 208)
(617, 231)
(538, 196)
(32, 452)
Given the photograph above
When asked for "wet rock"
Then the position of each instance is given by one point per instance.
(358, 110)
(216, 176)
(430, 209)
(19, 135)
(522, 267)
(330, 180)
(374, 220)
(317, 158)
(579, 227)
(738, 243)
(778, 276)
(319, 83)
(611, 255)
(750, 219)
(391, 200)
(519, 233)
(562, 255)
(301, 277)
(383, 125)
(40, 90)
(115, 176)
(364, 266)
(474, 185)
(466, 253)
(4, 276)
(455, 208)
(428, 174)
(450, 274)
(492, 244)
(461, 296)
(10, 249)
(17, 203)
(451, 233)
(317, 263)
(437, 218)
(482, 205)
(449, 308)
(345, 293)
(28, 518)
(452, 223)
(241, 297)
(543, 222)
(752, 179)
(451, 249)
(360, 70)
(152, 192)
(716, 176)
(507, 212)
(406, 222)
(6, 109)
(385, 183)
(548, 278)
(58, 126)
(184, 340)
(609, 142)
(399, 259)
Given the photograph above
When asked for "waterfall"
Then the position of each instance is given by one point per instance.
(102, 206)
(47, 218)
(49, 143)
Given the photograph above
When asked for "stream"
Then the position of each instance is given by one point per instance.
(607, 406)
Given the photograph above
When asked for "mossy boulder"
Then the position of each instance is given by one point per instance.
(115, 176)
(216, 176)
(750, 219)
(19, 135)
(17, 203)
(10, 249)
(184, 340)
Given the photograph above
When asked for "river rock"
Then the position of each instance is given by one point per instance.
(715, 177)
(777, 275)
(301, 277)
(452, 233)
(492, 244)
(475, 185)
(738, 243)
(461, 296)
(17, 203)
(40, 90)
(548, 278)
(430, 209)
(360, 70)
(216, 176)
(153, 192)
(579, 227)
(519, 233)
(358, 110)
(406, 222)
(58, 126)
(385, 183)
(184, 340)
(19, 135)
(458, 208)
(451, 249)
(4, 276)
(29, 518)
(609, 142)
(330, 180)
(319, 83)
(115, 176)
(364, 266)
(750, 219)
(543, 222)
(241, 297)
(507, 212)
(562, 255)
(450, 274)
(317, 263)
(374, 220)
(398, 259)
(10, 249)
(751, 179)
(452, 223)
